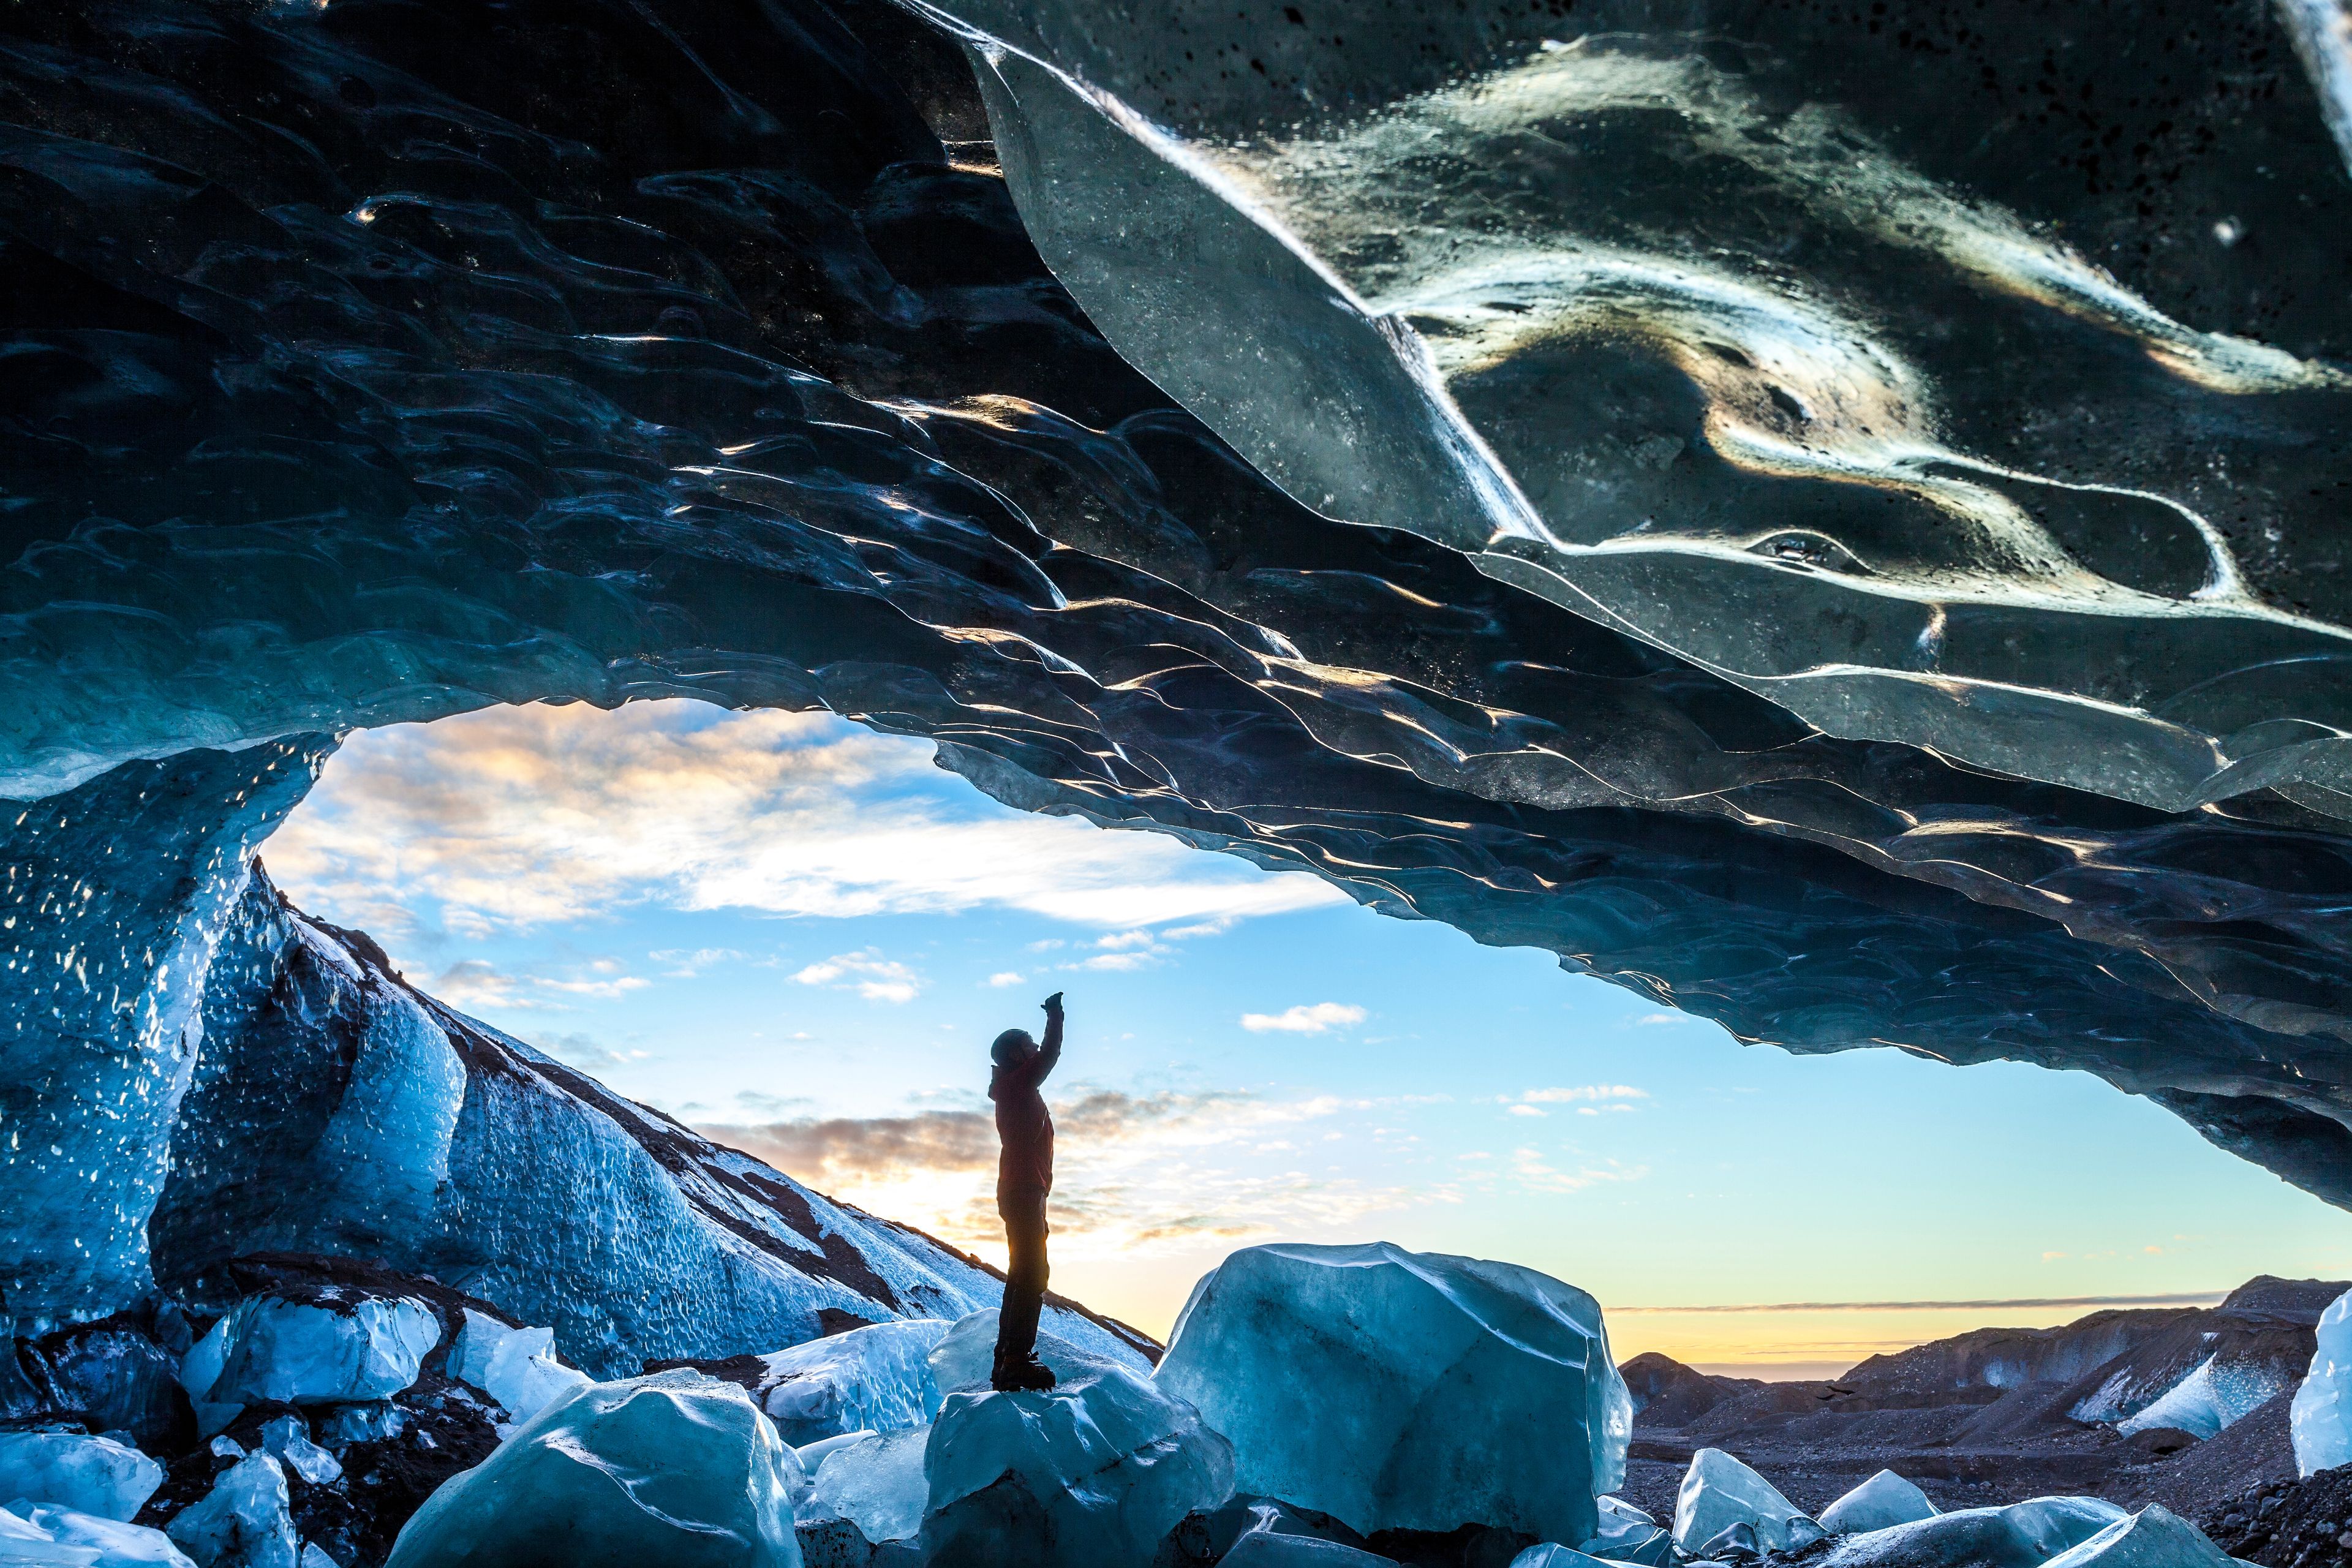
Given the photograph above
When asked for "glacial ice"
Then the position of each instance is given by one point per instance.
(675, 1468)
(298, 1352)
(2021, 1535)
(1396, 1390)
(1444, 743)
(245, 1522)
(288, 1437)
(2155, 1537)
(1882, 1501)
(523, 1375)
(1720, 1494)
(372, 1422)
(875, 1482)
(89, 1475)
(112, 1542)
(1264, 1549)
(1626, 1534)
(2214, 1397)
(2320, 1416)
(876, 1378)
(1091, 1474)
(1550, 1554)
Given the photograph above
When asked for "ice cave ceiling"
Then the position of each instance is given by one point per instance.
(1830, 514)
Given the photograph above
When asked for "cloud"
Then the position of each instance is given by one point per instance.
(477, 982)
(1004, 977)
(2183, 1299)
(871, 976)
(519, 816)
(1304, 1019)
(1657, 1018)
(1538, 1175)
(1136, 1171)
(1584, 1091)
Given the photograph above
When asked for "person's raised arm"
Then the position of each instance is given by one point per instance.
(1051, 1051)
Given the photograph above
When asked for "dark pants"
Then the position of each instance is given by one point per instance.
(1024, 1279)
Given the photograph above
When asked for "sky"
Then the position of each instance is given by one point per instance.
(800, 936)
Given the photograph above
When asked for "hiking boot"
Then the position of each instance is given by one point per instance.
(1021, 1375)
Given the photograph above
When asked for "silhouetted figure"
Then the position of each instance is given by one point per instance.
(1024, 1175)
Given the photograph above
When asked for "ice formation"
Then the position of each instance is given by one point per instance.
(1822, 557)
(874, 1379)
(675, 1468)
(2021, 1535)
(1882, 1501)
(2155, 1537)
(89, 1475)
(1626, 1534)
(1264, 1549)
(2320, 1416)
(1091, 1474)
(288, 1437)
(1550, 1554)
(86, 1539)
(875, 1482)
(243, 1522)
(312, 1353)
(1721, 1498)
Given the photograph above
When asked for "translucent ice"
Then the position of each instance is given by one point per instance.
(1882, 1501)
(301, 1352)
(23, 1542)
(1091, 1474)
(88, 1475)
(1626, 1534)
(2022, 1535)
(2321, 1414)
(114, 1543)
(1396, 1390)
(2155, 1537)
(875, 1482)
(676, 1468)
(1550, 1554)
(1264, 1549)
(243, 1522)
(1718, 1493)
(524, 1376)
(878, 1378)
(288, 1437)
(368, 1423)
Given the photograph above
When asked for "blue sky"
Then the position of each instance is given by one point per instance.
(802, 935)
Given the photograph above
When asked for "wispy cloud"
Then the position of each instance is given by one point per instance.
(1308, 1018)
(521, 816)
(1995, 1304)
(867, 972)
(477, 983)
(1004, 977)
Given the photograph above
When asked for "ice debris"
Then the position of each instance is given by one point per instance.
(675, 1468)
(36, 1532)
(1266, 1549)
(1089, 1474)
(2022, 1535)
(2155, 1537)
(2321, 1414)
(876, 1379)
(1723, 1504)
(373, 1422)
(1627, 1534)
(245, 1522)
(1552, 1554)
(268, 1349)
(516, 1367)
(1882, 1502)
(875, 1482)
(288, 1437)
(315, 1556)
(89, 1475)
(1398, 1390)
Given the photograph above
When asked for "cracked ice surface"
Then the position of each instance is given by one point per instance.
(1818, 594)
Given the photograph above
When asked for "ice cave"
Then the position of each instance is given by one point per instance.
(1829, 516)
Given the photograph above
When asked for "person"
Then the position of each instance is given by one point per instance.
(1024, 1176)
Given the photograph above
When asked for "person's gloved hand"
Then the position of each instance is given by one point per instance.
(1053, 1004)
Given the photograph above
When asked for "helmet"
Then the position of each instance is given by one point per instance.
(1011, 1047)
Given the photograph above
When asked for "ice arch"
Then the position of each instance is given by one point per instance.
(390, 358)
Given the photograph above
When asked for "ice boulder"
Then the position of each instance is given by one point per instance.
(1722, 1503)
(1265, 1549)
(878, 1378)
(1882, 1502)
(1089, 1474)
(2022, 1535)
(2321, 1414)
(245, 1522)
(88, 1475)
(109, 1543)
(290, 1439)
(322, 1352)
(1626, 1534)
(2155, 1537)
(1406, 1391)
(1550, 1554)
(876, 1483)
(676, 1469)
(516, 1367)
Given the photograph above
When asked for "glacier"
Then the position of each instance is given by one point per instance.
(2321, 1413)
(2025, 738)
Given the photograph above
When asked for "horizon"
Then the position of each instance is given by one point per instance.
(797, 936)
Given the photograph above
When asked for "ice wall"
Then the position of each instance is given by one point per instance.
(360, 374)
